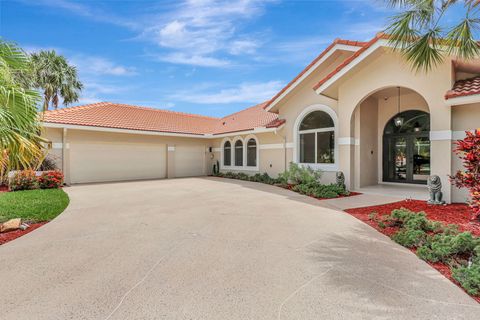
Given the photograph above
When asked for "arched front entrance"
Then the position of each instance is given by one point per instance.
(406, 148)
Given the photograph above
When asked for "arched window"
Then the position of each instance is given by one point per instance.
(251, 153)
(238, 153)
(317, 138)
(227, 154)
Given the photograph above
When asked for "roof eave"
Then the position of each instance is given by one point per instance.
(465, 99)
(121, 130)
(337, 74)
(247, 131)
(328, 52)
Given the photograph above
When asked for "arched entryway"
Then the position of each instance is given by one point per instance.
(406, 148)
(373, 118)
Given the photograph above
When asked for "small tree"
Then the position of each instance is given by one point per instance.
(468, 150)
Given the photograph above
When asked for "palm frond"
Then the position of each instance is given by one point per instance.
(425, 52)
(461, 41)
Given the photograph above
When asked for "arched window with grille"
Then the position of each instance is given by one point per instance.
(227, 154)
(238, 153)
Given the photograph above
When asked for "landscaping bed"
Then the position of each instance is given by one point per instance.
(303, 180)
(444, 236)
(12, 235)
(458, 213)
(35, 207)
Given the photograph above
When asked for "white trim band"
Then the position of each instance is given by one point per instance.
(441, 135)
(347, 141)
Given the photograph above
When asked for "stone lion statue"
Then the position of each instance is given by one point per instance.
(435, 190)
(340, 180)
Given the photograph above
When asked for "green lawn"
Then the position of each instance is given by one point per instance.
(33, 205)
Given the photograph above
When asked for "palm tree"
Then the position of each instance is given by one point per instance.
(21, 146)
(425, 36)
(56, 78)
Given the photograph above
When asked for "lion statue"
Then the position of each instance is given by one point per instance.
(435, 190)
(340, 180)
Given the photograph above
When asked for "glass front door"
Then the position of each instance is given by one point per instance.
(406, 159)
(406, 148)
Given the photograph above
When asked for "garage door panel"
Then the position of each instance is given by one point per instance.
(97, 162)
(189, 161)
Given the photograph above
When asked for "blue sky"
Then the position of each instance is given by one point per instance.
(198, 56)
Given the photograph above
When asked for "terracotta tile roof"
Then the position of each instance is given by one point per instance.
(253, 117)
(464, 88)
(320, 56)
(122, 116)
(350, 59)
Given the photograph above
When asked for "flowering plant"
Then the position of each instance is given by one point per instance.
(23, 180)
(468, 150)
(50, 179)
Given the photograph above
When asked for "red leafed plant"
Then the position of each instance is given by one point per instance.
(50, 179)
(468, 150)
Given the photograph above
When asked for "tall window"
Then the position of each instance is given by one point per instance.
(227, 154)
(238, 153)
(251, 153)
(317, 138)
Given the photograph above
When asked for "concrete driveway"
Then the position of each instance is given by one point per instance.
(208, 248)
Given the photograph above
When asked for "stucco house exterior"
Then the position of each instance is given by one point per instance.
(358, 108)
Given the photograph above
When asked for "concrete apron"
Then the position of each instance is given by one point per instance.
(211, 248)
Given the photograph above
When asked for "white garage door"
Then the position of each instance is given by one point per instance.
(189, 161)
(99, 162)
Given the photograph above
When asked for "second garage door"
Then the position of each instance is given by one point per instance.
(189, 161)
(100, 162)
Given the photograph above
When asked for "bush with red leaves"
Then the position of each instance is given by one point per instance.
(50, 179)
(468, 150)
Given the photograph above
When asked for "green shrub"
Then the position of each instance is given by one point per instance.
(443, 247)
(242, 176)
(297, 174)
(405, 218)
(468, 277)
(410, 237)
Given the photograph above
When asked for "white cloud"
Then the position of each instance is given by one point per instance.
(206, 27)
(241, 47)
(245, 92)
(100, 66)
(194, 60)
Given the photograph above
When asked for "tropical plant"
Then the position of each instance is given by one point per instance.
(425, 34)
(23, 180)
(56, 78)
(21, 146)
(50, 179)
(468, 150)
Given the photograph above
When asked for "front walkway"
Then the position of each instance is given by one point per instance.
(210, 248)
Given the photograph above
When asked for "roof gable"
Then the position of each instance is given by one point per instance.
(337, 44)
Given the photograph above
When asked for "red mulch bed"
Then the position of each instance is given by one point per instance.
(12, 235)
(459, 214)
(3, 189)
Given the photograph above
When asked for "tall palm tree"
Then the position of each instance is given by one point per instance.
(21, 146)
(56, 78)
(425, 33)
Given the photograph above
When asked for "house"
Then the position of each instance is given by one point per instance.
(358, 108)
